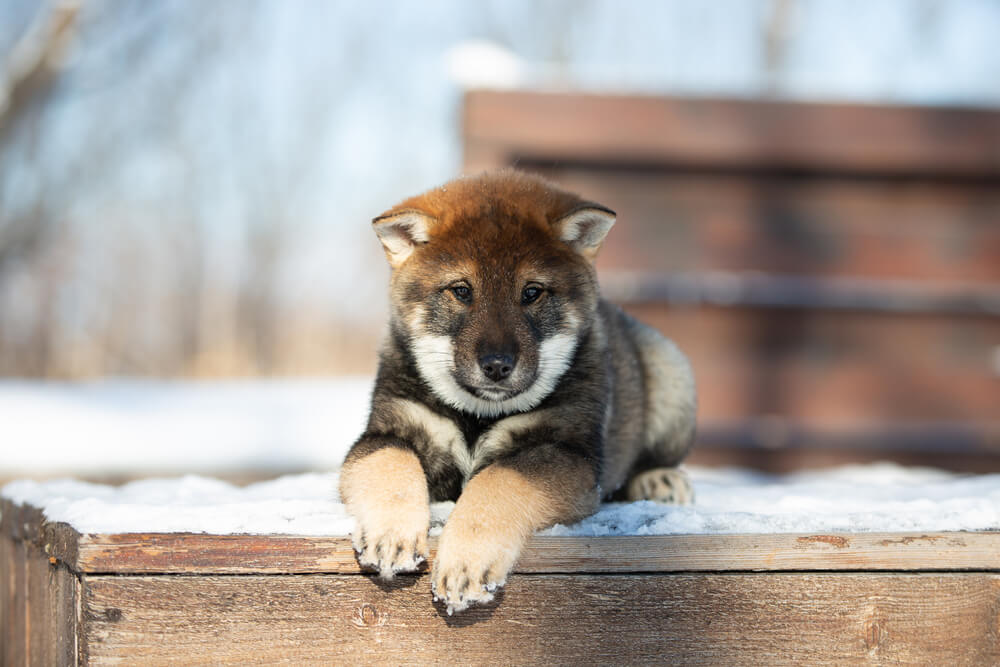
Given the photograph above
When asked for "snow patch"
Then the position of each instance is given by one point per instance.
(864, 498)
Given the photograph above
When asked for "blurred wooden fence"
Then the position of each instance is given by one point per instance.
(832, 270)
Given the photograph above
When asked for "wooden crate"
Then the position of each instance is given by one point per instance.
(67, 598)
(832, 270)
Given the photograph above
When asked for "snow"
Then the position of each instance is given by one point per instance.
(880, 497)
(159, 428)
(123, 426)
(875, 497)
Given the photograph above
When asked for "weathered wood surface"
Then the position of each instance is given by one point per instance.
(732, 599)
(502, 126)
(551, 619)
(39, 602)
(13, 603)
(207, 554)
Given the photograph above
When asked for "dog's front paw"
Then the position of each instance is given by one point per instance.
(392, 542)
(470, 566)
(386, 493)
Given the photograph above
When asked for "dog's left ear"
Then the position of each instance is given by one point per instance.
(585, 227)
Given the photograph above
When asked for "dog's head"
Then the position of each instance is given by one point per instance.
(493, 286)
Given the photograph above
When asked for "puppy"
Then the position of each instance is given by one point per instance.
(507, 385)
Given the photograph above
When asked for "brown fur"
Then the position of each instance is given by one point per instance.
(505, 192)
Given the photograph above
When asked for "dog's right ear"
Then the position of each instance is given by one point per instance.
(400, 232)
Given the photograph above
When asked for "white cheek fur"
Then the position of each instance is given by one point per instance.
(436, 363)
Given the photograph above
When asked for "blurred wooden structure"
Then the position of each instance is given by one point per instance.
(833, 271)
(151, 599)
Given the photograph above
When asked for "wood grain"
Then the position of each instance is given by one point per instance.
(38, 607)
(502, 126)
(53, 595)
(554, 619)
(256, 554)
(15, 602)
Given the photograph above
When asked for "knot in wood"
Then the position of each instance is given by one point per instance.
(367, 616)
(874, 633)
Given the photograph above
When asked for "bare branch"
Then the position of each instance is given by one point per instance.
(35, 59)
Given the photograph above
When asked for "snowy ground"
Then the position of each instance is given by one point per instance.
(879, 497)
(123, 426)
(154, 427)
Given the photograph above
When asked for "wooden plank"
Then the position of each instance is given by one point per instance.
(827, 227)
(52, 599)
(256, 554)
(886, 438)
(554, 127)
(834, 367)
(6, 594)
(759, 290)
(8, 604)
(39, 603)
(778, 445)
(635, 619)
(15, 634)
(781, 461)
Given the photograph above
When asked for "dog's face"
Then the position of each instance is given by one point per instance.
(493, 285)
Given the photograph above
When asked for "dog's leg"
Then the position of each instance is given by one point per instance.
(386, 493)
(670, 421)
(665, 485)
(498, 510)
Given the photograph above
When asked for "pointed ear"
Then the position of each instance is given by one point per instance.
(401, 232)
(585, 227)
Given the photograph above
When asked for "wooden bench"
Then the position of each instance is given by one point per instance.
(68, 599)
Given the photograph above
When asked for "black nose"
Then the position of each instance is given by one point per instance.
(497, 366)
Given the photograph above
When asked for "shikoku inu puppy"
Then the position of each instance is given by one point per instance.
(507, 385)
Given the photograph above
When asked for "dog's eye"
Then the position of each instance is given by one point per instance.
(462, 292)
(530, 294)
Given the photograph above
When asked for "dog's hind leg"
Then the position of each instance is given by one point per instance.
(670, 421)
(665, 485)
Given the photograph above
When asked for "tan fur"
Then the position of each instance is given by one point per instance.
(442, 433)
(497, 512)
(664, 485)
(502, 437)
(386, 493)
